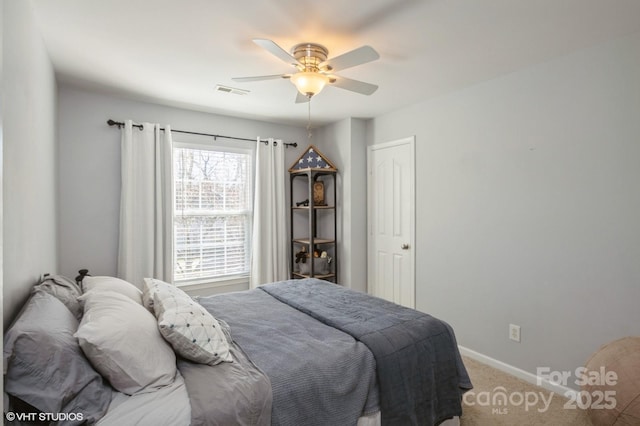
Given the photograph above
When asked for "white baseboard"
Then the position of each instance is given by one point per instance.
(520, 374)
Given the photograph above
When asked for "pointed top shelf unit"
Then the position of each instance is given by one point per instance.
(313, 214)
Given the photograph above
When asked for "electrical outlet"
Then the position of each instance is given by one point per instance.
(514, 332)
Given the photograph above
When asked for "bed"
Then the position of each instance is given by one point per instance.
(297, 352)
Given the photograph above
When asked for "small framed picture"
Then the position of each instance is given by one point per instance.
(318, 193)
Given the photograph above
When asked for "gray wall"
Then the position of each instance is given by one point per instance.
(528, 206)
(89, 166)
(29, 157)
(344, 143)
(1, 160)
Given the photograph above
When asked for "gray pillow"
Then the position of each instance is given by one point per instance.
(122, 341)
(65, 290)
(45, 366)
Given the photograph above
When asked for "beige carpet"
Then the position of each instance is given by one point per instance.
(481, 409)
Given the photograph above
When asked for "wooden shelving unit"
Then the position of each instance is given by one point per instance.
(312, 224)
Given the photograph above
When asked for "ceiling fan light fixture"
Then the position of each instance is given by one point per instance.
(314, 70)
(309, 83)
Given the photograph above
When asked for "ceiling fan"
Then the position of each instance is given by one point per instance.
(314, 70)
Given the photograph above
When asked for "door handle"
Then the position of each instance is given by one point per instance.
(405, 247)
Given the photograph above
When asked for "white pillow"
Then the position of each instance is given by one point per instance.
(148, 289)
(112, 284)
(192, 331)
(122, 341)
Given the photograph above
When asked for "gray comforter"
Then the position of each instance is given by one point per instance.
(230, 393)
(319, 375)
(421, 376)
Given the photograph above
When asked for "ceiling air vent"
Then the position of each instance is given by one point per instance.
(232, 90)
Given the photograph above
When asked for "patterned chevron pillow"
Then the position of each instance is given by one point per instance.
(192, 331)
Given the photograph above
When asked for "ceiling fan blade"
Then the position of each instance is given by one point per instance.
(276, 50)
(353, 85)
(301, 99)
(358, 56)
(261, 77)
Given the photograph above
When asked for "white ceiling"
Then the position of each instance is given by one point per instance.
(175, 52)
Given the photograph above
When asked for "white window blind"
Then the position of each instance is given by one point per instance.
(212, 219)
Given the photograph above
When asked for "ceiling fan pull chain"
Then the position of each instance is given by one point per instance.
(309, 134)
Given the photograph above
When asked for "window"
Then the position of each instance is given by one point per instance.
(212, 213)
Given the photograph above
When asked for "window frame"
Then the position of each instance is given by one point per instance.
(226, 146)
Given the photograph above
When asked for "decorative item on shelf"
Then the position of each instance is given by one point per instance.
(303, 203)
(312, 159)
(318, 193)
(302, 255)
(326, 256)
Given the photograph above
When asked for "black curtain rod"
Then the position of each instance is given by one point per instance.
(111, 122)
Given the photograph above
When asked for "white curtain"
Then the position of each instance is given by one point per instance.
(146, 205)
(270, 239)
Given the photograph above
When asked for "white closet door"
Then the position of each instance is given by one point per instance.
(391, 206)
